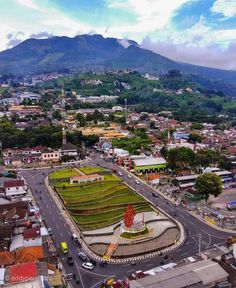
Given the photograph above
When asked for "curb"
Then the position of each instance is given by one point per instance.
(69, 219)
(212, 225)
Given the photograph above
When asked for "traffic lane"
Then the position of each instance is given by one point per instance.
(54, 219)
(183, 252)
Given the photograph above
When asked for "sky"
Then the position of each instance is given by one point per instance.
(201, 32)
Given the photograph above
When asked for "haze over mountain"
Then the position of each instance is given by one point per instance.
(85, 52)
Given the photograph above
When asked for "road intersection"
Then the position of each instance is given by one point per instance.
(197, 232)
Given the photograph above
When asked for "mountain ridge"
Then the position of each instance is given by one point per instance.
(86, 52)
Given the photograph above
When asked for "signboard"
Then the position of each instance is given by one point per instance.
(210, 220)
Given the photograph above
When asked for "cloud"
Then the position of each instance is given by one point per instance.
(29, 4)
(150, 14)
(14, 39)
(225, 7)
(40, 35)
(211, 55)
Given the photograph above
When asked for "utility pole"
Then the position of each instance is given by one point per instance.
(199, 244)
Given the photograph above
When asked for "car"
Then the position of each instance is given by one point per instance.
(82, 256)
(74, 237)
(77, 279)
(88, 265)
(114, 170)
(50, 231)
(137, 182)
(120, 174)
(154, 195)
(129, 176)
(70, 260)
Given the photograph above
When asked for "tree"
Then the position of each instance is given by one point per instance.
(205, 157)
(208, 184)
(152, 125)
(81, 119)
(195, 137)
(56, 115)
(197, 126)
(181, 158)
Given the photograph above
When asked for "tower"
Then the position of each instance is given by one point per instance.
(126, 120)
(63, 126)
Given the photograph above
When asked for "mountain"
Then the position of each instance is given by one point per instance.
(85, 52)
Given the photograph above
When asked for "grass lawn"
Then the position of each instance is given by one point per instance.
(91, 170)
(128, 235)
(64, 173)
(99, 204)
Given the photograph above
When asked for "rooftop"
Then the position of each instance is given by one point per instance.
(206, 272)
(14, 183)
(150, 161)
(31, 233)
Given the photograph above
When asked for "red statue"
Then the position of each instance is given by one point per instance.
(129, 216)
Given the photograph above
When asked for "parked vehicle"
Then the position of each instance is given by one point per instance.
(120, 174)
(114, 170)
(137, 182)
(129, 176)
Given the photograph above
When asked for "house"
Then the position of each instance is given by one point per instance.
(104, 145)
(26, 272)
(86, 178)
(14, 211)
(15, 188)
(50, 156)
(69, 150)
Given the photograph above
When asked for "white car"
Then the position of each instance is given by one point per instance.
(120, 174)
(137, 182)
(88, 265)
(129, 176)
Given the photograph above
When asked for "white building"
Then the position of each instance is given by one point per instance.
(15, 188)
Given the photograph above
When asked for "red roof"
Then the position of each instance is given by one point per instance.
(22, 272)
(14, 183)
(31, 233)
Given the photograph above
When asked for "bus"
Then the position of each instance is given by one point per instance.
(64, 247)
(231, 205)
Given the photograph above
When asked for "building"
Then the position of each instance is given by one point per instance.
(86, 179)
(206, 273)
(149, 164)
(15, 188)
(50, 156)
(69, 150)
(25, 110)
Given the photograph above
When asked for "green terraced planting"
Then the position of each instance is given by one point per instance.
(99, 204)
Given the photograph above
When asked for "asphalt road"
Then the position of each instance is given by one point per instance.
(55, 218)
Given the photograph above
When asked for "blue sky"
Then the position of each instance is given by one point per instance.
(196, 31)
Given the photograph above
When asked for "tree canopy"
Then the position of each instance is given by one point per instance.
(208, 184)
